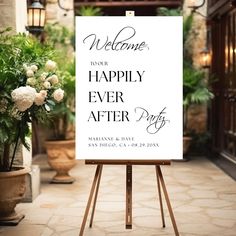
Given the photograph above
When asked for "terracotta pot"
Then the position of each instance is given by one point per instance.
(61, 157)
(12, 187)
(186, 144)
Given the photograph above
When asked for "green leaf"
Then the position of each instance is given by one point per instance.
(3, 135)
(50, 102)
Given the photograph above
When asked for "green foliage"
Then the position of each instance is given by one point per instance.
(63, 114)
(15, 51)
(188, 34)
(89, 11)
(195, 86)
(57, 34)
(164, 11)
(187, 27)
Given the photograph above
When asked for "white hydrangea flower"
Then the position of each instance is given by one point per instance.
(50, 65)
(23, 97)
(31, 81)
(29, 73)
(34, 68)
(48, 78)
(39, 99)
(47, 85)
(44, 93)
(43, 76)
(54, 79)
(58, 94)
(25, 67)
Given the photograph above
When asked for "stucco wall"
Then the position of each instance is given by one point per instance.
(13, 14)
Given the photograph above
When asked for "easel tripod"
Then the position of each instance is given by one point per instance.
(160, 185)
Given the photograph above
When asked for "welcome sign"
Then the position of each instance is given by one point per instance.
(129, 87)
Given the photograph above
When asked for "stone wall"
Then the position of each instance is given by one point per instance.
(55, 14)
(197, 115)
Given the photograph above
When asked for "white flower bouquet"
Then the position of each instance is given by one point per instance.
(41, 88)
(31, 89)
(38, 93)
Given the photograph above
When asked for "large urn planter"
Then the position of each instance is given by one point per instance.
(12, 187)
(186, 144)
(61, 157)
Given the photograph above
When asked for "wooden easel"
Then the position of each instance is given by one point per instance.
(129, 164)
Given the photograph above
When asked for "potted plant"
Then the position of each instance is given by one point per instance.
(29, 89)
(60, 145)
(195, 86)
(195, 91)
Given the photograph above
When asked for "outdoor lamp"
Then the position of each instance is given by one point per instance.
(205, 58)
(36, 17)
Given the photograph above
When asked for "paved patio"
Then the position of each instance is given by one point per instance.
(202, 196)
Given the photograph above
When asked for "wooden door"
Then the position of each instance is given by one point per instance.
(223, 112)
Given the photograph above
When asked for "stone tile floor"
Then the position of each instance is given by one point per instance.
(202, 196)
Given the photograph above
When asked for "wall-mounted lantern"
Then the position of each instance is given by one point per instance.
(36, 17)
(205, 59)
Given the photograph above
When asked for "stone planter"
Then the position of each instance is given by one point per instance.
(12, 187)
(61, 157)
(186, 144)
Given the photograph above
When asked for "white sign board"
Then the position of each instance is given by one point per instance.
(129, 87)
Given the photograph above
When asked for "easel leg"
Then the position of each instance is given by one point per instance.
(128, 196)
(167, 200)
(95, 197)
(160, 198)
(98, 170)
